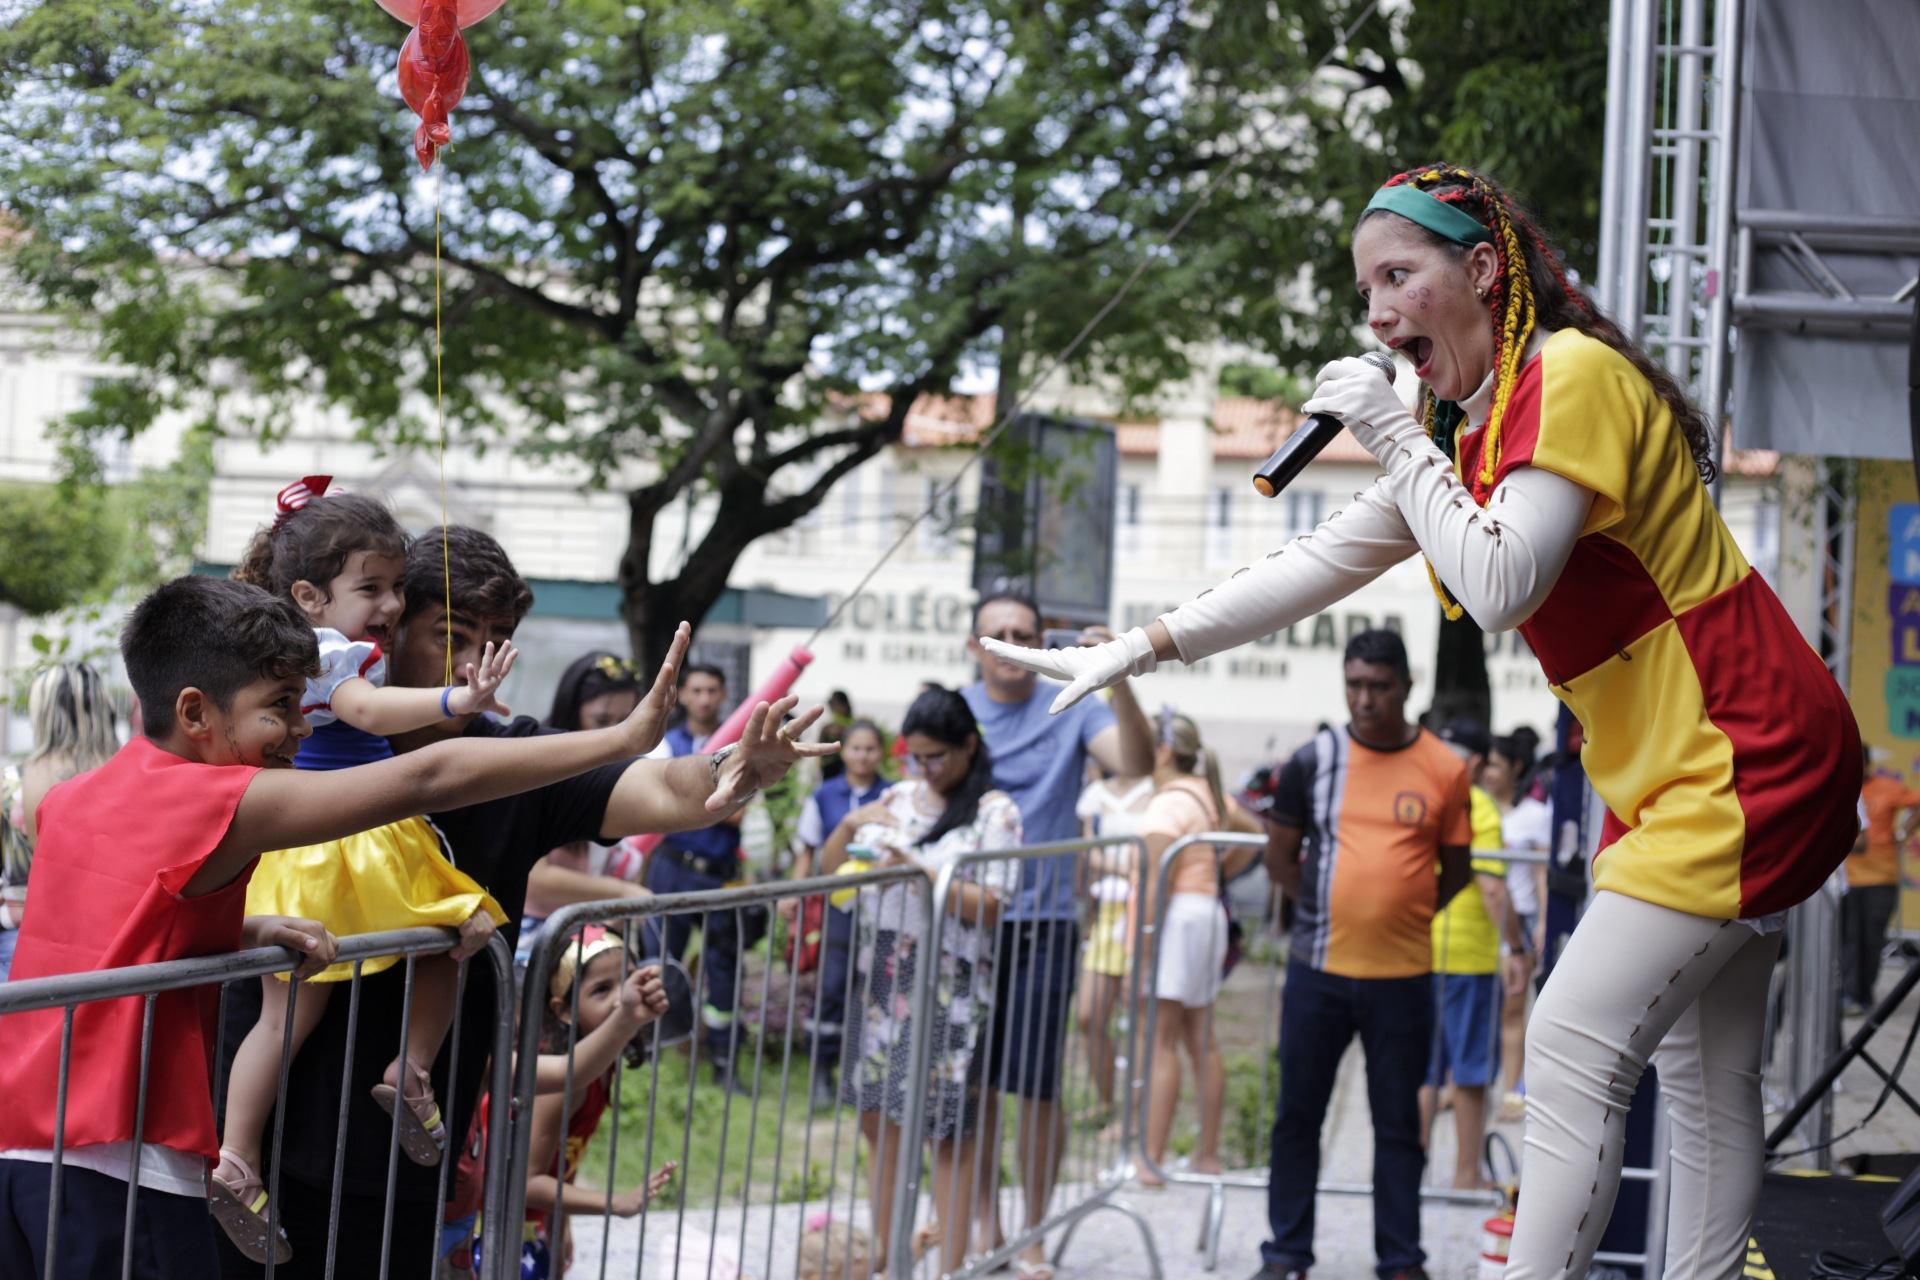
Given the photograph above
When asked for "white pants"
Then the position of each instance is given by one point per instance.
(1639, 981)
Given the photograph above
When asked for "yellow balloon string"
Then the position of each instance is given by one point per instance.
(440, 417)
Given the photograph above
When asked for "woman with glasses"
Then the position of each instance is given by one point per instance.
(927, 822)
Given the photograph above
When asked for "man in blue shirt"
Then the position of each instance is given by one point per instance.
(1041, 761)
(690, 861)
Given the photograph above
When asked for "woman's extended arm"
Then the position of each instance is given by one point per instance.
(1499, 561)
(1351, 548)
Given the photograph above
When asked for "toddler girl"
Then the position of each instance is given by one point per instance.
(564, 1123)
(342, 558)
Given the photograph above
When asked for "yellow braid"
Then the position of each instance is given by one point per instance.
(1516, 330)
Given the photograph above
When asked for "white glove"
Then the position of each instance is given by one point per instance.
(1086, 668)
(1360, 396)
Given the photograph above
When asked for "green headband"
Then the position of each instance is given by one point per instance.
(1436, 216)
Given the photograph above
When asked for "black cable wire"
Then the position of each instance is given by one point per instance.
(1886, 1091)
(1830, 1264)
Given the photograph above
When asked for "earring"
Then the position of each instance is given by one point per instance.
(1481, 292)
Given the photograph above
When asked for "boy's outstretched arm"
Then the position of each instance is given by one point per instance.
(288, 808)
(683, 794)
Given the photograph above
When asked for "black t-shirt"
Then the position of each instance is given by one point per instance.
(497, 844)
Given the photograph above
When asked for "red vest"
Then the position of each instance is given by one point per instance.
(116, 847)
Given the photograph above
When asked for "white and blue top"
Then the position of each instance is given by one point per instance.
(336, 744)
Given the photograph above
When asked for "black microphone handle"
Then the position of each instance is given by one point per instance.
(1292, 457)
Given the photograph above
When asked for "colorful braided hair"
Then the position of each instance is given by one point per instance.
(1530, 291)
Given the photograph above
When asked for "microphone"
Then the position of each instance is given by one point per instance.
(1305, 444)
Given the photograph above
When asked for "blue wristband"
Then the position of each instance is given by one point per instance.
(446, 695)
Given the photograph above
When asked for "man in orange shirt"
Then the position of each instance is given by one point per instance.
(1873, 881)
(1369, 837)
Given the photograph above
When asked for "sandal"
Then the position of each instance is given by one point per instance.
(240, 1207)
(423, 1135)
(1028, 1270)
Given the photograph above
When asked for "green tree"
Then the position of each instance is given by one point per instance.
(677, 236)
(62, 546)
(1514, 88)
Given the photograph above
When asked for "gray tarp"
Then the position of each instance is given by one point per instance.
(1830, 125)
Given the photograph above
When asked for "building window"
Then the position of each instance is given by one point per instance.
(1766, 533)
(1220, 503)
(1127, 516)
(936, 531)
(1304, 511)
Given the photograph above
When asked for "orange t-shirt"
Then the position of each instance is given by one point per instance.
(1372, 825)
(1884, 797)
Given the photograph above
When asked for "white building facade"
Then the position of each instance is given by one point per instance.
(1186, 516)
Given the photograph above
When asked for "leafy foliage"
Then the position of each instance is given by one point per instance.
(61, 547)
(675, 238)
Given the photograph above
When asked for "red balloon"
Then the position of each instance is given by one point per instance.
(469, 11)
(433, 78)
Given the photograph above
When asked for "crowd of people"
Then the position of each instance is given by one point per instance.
(316, 756)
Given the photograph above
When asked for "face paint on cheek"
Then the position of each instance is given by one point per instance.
(1421, 296)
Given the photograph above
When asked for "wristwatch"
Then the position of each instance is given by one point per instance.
(720, 757)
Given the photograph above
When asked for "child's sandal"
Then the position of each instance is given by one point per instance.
(423, 1135)
(240, 1207)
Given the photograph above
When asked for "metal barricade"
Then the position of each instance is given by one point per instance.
(715, 1227)
(147, 982)
(1079, 1164)
(1149, 927)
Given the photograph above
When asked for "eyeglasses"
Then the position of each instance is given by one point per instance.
(931, 760)
(1025, 639)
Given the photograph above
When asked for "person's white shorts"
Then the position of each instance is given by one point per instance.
(1193, 947)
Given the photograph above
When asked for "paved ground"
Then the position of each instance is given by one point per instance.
(1107, 1244)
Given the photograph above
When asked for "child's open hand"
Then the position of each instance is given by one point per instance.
(308, 938)
(644, 996)
(475, 930)
(483, 678)
(629, 1203)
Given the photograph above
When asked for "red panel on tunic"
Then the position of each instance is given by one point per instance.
(1797, 777)
(1603, 601)
(116, 847)
(1519, 430)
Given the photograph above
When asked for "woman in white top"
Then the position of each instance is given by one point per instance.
(1525, 823)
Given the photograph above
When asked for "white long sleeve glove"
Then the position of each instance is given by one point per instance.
(1499, 562)
(1085, 669)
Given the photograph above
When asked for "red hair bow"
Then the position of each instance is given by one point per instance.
(299, 494)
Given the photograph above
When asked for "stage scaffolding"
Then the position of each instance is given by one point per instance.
(1697, 256)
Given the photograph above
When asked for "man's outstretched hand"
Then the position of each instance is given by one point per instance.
(766, 750)
(648, 723)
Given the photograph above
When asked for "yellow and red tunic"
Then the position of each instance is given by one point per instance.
(1726, 754)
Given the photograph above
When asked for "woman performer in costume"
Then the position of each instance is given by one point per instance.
(1556, 485)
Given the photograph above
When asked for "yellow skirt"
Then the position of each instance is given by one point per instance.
(393, 877)
(1106, 950)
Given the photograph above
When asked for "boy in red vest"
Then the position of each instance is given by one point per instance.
(147, 858)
